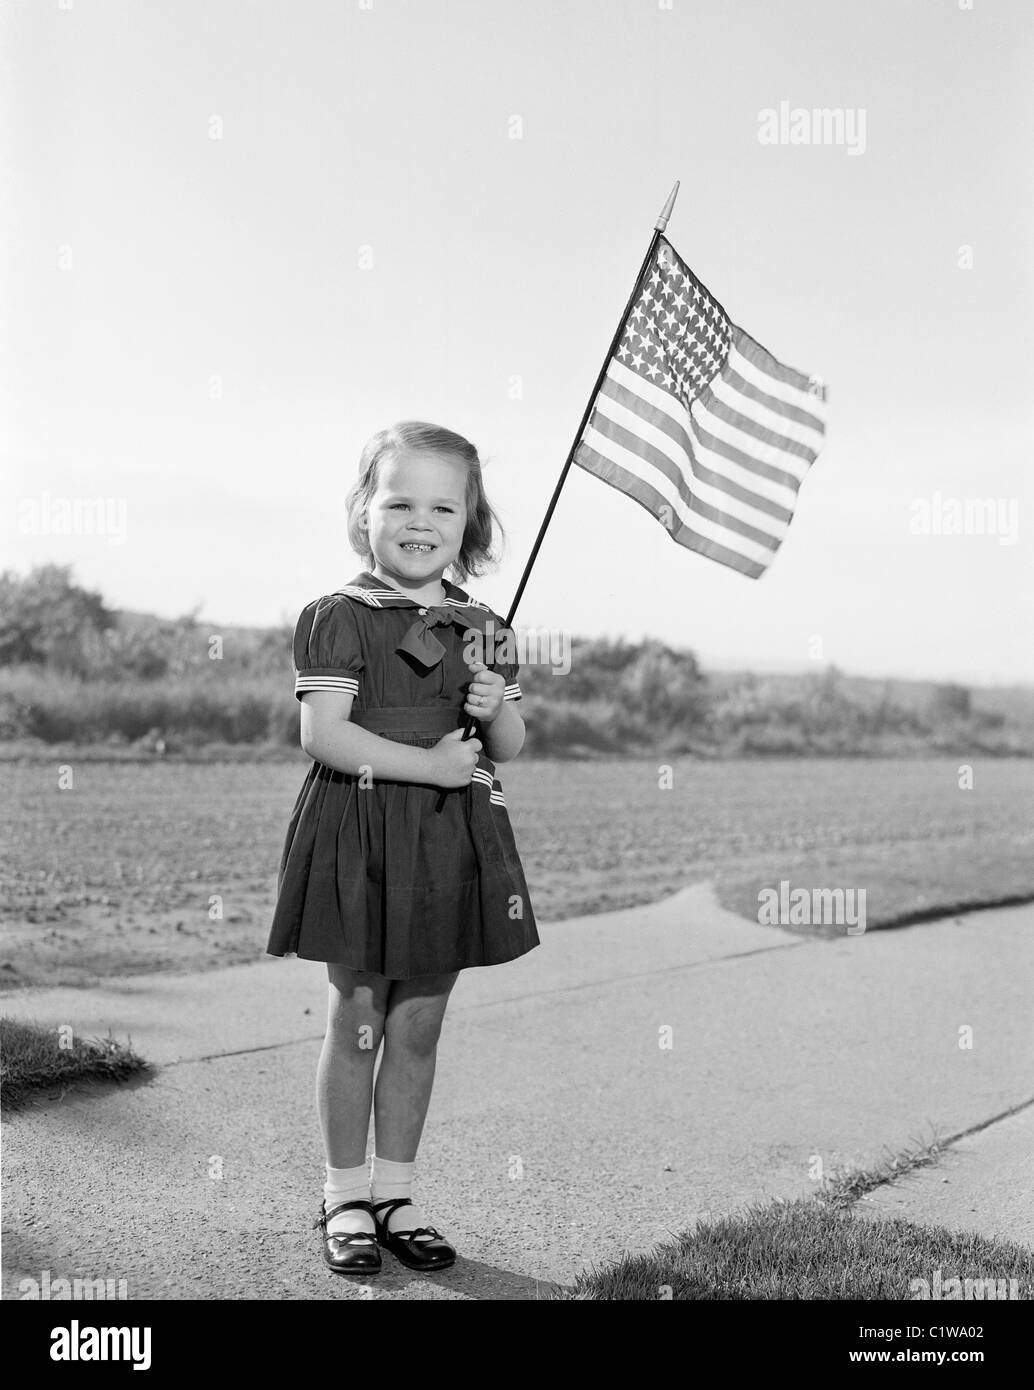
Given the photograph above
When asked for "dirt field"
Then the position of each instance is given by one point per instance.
(119, 873)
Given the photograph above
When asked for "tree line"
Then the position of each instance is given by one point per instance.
(74, 670)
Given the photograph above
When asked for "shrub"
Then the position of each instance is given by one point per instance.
(212, 705)
(46, 619)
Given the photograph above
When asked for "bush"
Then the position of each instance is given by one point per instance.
(45, 619)
(190, 710)
(950, 702)
(774, 741)
(556, 730)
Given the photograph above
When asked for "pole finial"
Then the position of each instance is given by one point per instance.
(662, 221)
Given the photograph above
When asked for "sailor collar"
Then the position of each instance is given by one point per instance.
(459, 609)
(368, 589)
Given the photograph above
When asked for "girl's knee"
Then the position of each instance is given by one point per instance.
(347, 1033)
(415, 1026)
(355, 1010)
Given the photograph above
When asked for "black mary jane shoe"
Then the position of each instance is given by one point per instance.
(349, 1252)
(414, 1254)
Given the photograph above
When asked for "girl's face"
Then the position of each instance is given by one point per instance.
(417, 516)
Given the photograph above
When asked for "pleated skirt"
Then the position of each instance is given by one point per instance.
(372, 876)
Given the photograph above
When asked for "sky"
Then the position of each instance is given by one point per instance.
(240, 238)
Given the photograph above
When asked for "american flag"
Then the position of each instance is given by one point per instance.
(701, 424)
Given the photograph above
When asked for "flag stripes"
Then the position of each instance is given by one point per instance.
(702, 425)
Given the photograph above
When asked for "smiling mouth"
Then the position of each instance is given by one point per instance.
(418, 547)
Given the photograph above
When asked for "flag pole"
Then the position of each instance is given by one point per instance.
(658, 228)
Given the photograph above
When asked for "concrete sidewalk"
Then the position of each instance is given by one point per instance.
(563, 1131)
(984, 1183)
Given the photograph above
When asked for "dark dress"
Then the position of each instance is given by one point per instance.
(372, 875)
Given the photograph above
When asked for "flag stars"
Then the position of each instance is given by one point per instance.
(680, 335)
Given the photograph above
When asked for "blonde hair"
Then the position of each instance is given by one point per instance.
(476, 551)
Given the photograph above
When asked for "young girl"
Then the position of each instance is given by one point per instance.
(395, 894)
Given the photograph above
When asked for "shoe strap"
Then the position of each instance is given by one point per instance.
(353, 1237)
(393, 1203)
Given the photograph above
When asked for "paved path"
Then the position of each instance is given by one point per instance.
(983, 1183)
(561, 1132)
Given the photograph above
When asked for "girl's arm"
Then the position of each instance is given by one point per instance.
(501, 726)
(504, 736)
(328, 736)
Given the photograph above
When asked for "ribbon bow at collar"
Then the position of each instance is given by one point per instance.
(421, 643)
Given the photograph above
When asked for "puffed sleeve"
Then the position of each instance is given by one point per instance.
(506, 663)
(328, 653)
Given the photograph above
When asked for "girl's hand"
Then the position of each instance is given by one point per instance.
(485, 693)
(454, 759)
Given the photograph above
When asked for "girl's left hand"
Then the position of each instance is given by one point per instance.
(485, 693)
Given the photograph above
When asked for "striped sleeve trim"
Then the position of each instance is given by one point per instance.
(325, 680)
(482, 777)
(512, 692)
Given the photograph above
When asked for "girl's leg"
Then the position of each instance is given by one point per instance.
(344, 1079)
(412, 1026)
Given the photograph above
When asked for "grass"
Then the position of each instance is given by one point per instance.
(35, 1059)
(842, 1188)
(803, 1249)
(810, 1248)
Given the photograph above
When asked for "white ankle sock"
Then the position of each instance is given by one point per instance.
(396, 1180)
(347, 1185)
